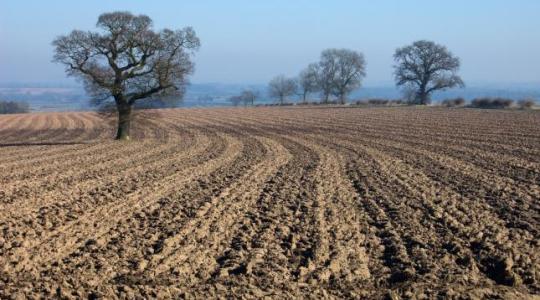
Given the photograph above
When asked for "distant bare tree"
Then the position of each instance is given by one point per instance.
(205, 99)
(14, 107)
(308, 81)
(426, 67)
(249, 97)
(235, 100)
(341, 71)
(327, 73)
(282, 87)
(127, 61)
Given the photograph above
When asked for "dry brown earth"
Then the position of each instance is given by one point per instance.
(278, 202)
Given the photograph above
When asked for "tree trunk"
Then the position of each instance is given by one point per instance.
(342, 98)
(422, 95)
(326, 98)
(124, 122)
(423, 98)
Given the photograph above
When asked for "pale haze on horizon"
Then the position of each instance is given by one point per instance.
(252, 41)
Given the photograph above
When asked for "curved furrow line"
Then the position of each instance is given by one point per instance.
(60, 155)
(62, 124)
(447, 207)
(482, 144)
(51, 213)
(455, 124)
(21, 152)
(273, 237)
(199, 211)
(210, 231)
(391, 255)
(272, 202)
(361, 129)
(9, 151)
(73, 131)
(33, 176)
(50, 183)
(95, 127)
(294, 116)
(28, 155)
(126, 152)
(23, 128)
(340, 262)
(105, 161)
(83, 131)
(98, 233)
(411, 244)
(145, 127)
(6, 121)
(201, 185)
(526, 168)
(412, 134)
(501, 165)
(161, 217)
(224, 171)
(513, 202)
(362, 174)
(490, 242)
(59, 124)
(17, 121)
(57, 152)
(526, 173)
(43, 145)
(96, 222)
(497, 247)
(40, 126)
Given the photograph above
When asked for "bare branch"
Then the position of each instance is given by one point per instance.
(281, 87)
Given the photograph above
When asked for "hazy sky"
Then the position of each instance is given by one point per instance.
(250, 41)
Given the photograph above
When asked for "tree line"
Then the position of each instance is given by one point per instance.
(127, 62)
(421, 69)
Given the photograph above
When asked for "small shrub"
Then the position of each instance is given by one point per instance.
(306, 103)
(500, 103)
(359, 102)
(398, 102)
(12, 107)
(330, 102)
(526, 103)
(453, 102)
(378, 101)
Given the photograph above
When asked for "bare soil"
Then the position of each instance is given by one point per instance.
(277, 202)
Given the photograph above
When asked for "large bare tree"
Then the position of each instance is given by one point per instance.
(281, 87)
(340, 72)
(127, 61)
(308, 81)
(426, 67)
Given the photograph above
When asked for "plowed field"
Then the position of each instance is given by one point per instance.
(277, 202)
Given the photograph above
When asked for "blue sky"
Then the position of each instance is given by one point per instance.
(251, 41)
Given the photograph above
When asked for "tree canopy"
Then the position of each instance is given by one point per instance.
(425, 67)
(127, 61)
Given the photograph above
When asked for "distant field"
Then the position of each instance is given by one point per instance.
(282, 202)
